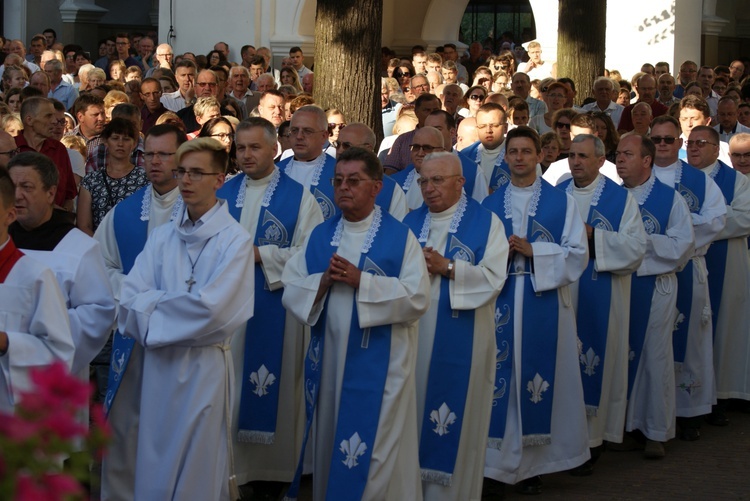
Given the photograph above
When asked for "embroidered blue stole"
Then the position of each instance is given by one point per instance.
(407, 178)
(131, 232)
(500, 173)
(692, 186)
(367, 359)
(264, 333)
(595, 292)
(539, 334)
(450, 363)
(655, 213)
(385, 196)
(716, 257)
(320, 187)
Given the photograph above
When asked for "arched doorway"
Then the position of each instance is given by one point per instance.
(487, 20)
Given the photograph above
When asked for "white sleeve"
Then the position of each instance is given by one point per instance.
(669, 252)
(622, 251)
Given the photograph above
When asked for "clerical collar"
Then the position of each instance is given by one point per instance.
(44, 237)
(671, 166)
(171, 194)
(189, 226)
(712, 169)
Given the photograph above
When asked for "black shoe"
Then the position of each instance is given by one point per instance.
(717, 418)
(492, 490)
(531, 486)
(690, 434)
(585, 470)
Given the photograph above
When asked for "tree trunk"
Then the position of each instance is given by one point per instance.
(347, 59)
(581, 40)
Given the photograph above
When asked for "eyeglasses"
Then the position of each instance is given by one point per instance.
(194, 174)
(665, 139)
(562, 125)
(58, 122)
(424, 147)
(353, 182)
(335, 126)
(476, 97)
(10, 153)
(699, 143)
(150, 155)
(435, 180)
(555, 96)
(424, 86)
(223, 135)
(740, 156)
(206, 84)
(294, 131)
(491, 126)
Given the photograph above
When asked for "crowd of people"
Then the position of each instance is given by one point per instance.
(513, 282)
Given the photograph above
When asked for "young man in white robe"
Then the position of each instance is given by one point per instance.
(666, 217)
(601, 298)
(489, 152)
(739, 152)
(692, 340)
(466, 253)
(122, 235)
(34, 325)
(538, 422)
(188, 291)
(268, 413)
(728, 274)
(362, 284)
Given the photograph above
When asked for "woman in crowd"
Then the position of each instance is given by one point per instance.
(500, 81)
(473, 99)
(14, 77)
(483, 76)
(215, 57)
(336, 122)
(551, 148)
(103, 189)
(112, 99)
(607, 132)
(13, 99)
(555, 98)
(289, 76)
(117, 70)
(221, 129)
(11, 124)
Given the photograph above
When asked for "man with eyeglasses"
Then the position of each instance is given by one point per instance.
(206, 85)
(728, 274)
(426, 140)
(727, 116)
(489, 152)
(646, 88)
(466, 252)
(603, 87)
(122, 235)
(688, 73)
(391, 197)
(310, 165)
(450, 53)
(122, 46)
(739, 151)
(692, 338)
(361, 284)
(38, 115)
(188, 291)
(694, 112)
(538, 422)
(736, 70)
(164, 56)
(278, 214)
(653, 297)
(400, 154)
(601, 297)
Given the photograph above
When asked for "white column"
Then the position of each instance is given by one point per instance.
(14, 13)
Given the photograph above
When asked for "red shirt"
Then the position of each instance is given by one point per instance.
(58, 153)
(626, 121)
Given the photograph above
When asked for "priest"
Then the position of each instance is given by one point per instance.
(538, 422)
(653, 296)
(466, 252)
(601, 298)
(362, 284)
(122, 235)
(187, 292)
(34, 325)
(279, 214)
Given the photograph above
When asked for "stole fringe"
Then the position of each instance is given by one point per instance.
(437, 477)
(533, 440)
(591, 410)
(256, 437)
(494, 443)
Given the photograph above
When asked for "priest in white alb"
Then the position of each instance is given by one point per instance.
(653, 296)
(538, 422)
(601, 298)
(466, 253)
(268, 410)
(34, 325)
(122, 235)
(362, 284)
(188, 291)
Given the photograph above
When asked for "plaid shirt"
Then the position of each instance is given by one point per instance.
(91, 144)
(98, 160)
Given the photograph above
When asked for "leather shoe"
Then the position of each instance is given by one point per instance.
(531, 486)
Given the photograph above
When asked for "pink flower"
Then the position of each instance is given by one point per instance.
(17, 429)
(60, 387)
(60, 486)
(50, 487)
(63, 425)
(28, 490)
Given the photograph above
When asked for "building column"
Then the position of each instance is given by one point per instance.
(14, 15)
(80, 18)
(712, 26)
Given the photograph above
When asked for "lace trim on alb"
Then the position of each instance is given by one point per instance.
(371, 232)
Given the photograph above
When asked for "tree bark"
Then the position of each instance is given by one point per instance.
(581, 40)
(348, 37)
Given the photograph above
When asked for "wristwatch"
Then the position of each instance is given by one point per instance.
(451, 265)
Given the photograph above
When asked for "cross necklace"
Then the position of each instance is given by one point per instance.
(191, 281)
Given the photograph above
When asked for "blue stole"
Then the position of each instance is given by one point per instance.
(546, 221)
(500, 173)
(691, 184)
(716, 257)
(130, 233)
(321, 186)
(385, 196)
(407, 180)
(655, 212)
(367, 358)
(595, 289)
(264, 333)
(450, 365)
